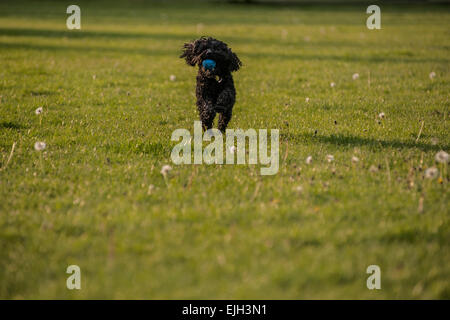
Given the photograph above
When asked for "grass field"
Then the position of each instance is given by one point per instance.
(95, 196)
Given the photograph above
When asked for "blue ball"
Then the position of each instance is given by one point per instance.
(209, 64)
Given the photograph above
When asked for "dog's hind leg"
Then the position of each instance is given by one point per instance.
(224, 118)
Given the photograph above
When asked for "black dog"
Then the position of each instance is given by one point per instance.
(215, 87)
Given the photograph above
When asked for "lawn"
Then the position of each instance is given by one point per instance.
(95, 196)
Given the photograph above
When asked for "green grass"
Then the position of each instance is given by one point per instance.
(223, 231)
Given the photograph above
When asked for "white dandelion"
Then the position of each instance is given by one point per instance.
(432, 75)
(172, 77)
(330, 158)
(307, 99)
(332, 84)
(442, 157)
(165, 170)
(381, 115)
(309, 160)
(39, 146)
(355, 76)
(431, 173)
(355, 159)
(39, 110)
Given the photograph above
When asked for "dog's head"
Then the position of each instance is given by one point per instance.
(211, 55)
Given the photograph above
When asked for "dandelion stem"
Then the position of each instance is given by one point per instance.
(165, 180)
(420, 131)
(41, 162)
(388, 172)
(10, 155)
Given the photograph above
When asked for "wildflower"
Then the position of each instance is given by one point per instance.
(308, 160)
(432, 75)
(355, 159)
(172, 77)
(165, 170)
(39, 146)
(355, 76)
(39, 110)
(381, 115)
(307, 99)
(442, 157)
(431, 173)
(332, 84)
(330, 158)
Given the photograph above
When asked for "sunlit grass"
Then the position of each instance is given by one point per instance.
(95, 196)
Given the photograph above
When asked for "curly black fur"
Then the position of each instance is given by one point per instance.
(215, 88)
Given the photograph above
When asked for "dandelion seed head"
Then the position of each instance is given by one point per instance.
(355, 76)
(431, 173)
(355, 159)
(172, 77)
(165, 169)
(307, 99)
(381, 115)
(39, 146)
(332, 84)
(432, 75)
(442, 157)
(330, 158)
(39, 110)
(309, 160)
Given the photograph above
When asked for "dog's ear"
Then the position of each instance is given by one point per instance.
(235, 63)
(189, 53)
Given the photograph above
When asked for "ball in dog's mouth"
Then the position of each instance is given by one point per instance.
(209, 64)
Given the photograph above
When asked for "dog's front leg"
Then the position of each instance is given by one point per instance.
(206, 112)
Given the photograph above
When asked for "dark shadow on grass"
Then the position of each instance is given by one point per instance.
(11, 125)
(181, 38)
(249, 55)
(344, 57)
(82, 34)
(90, 49)
(354, 141)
